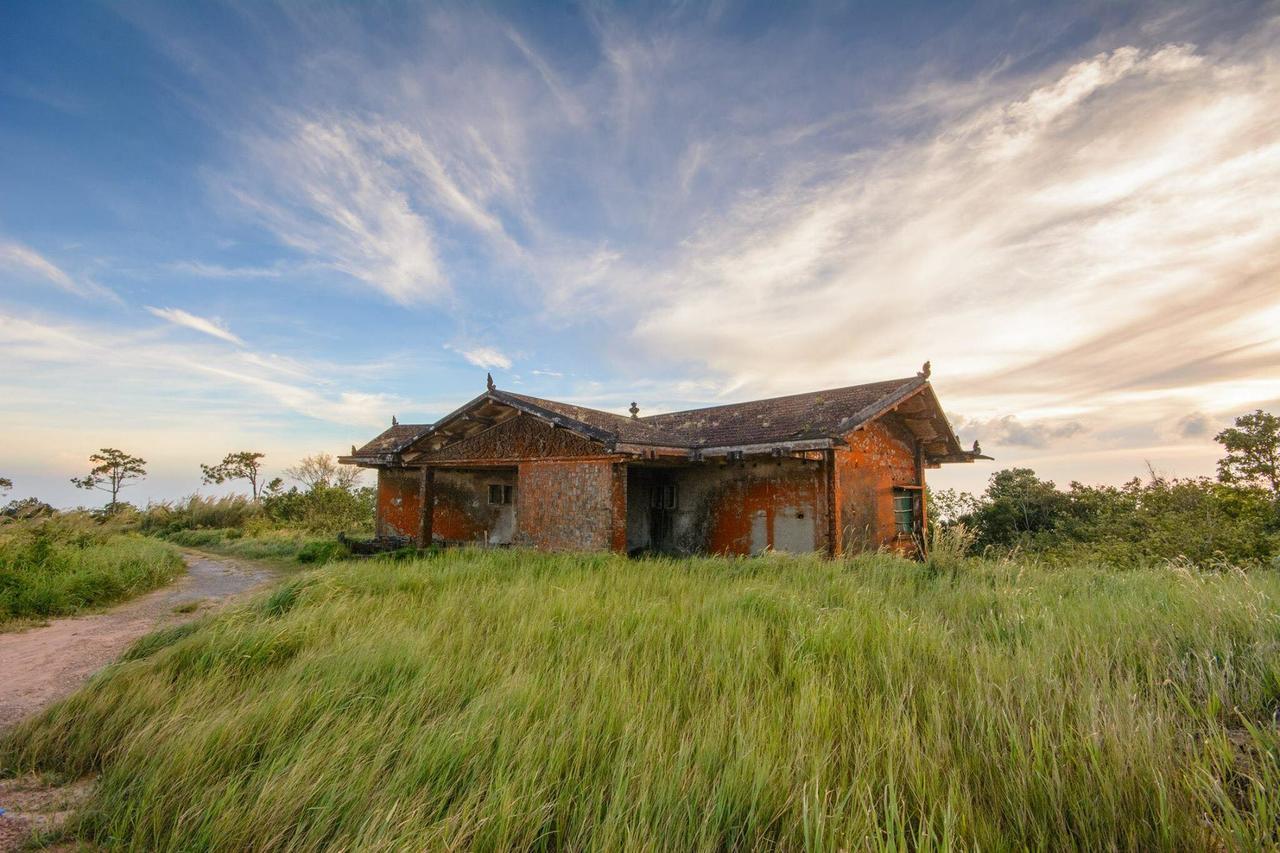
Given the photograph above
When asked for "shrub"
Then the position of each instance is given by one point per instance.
(322, 551)
(323, 509)
(66, 563)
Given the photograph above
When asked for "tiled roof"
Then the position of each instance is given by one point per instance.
(795, 417)
(393, 439)
(621, 427)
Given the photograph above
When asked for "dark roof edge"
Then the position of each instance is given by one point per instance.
(881, 406)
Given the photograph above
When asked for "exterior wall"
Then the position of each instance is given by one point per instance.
(568, 505)
(462, 512)
(738, 508)
(399, 506)
(880, 456)
(577, 498)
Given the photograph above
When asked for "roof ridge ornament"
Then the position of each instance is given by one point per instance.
(394, 422)
(925, 371)
(977, 448)
(634, 410)
(488, 381)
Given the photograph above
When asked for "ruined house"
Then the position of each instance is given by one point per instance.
(835, 471)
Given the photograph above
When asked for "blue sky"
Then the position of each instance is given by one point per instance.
(271, 227)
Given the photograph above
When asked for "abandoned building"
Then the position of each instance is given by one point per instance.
(836, 471)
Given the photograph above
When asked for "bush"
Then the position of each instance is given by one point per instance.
(66, 563)
(323, 509)
(323, 551)
(1206, 523)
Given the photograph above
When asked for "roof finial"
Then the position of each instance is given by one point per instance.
(488, 381)
(635, 410)
(353, 450)
(394, 422)
(925, 371)
(977, 448)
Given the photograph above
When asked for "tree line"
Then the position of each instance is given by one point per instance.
(112, 470)
(1233, 519)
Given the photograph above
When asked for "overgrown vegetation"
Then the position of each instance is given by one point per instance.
(1231, 522)
(284, 525)
(63, 564)
(508, 700)
(1213, 525)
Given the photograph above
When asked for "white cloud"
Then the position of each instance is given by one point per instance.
(25, 259)
(200, 324)
(486, 357)
(204, 270)
(369, 196)
(1103, 238)
(68, 361)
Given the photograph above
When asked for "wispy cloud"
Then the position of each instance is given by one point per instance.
(24, 259)
(486, 357)
(206, 270)
(1097, 242)
(203, 325)
(83, 355)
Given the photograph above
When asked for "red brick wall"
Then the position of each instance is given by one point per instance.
(880, 456)
(572, 505)
(398, 509)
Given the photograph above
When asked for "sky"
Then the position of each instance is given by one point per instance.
(251, 226)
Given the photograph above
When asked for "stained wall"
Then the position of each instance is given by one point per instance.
(737, 508)
(879, 457)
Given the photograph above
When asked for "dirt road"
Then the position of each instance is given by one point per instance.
(41, 665)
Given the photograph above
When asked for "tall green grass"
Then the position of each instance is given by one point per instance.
(286, 545)
(64, 564)
(506, 700)
(198, 512)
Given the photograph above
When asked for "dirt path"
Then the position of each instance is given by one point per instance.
(42, 665)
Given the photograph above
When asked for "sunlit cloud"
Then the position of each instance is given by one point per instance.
(1080, 233)
(74, 357)
(485, 357)
(200, 324)
(1099, 232)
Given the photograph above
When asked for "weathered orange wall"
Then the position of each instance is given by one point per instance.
(578, 505)
(880, 456)
(399, 507)
(736, 502)
(720, 503)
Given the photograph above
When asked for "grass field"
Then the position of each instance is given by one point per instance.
(276, 546)
(60, 566)
(505, 700)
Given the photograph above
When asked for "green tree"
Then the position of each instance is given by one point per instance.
(1253, 451)
(111, 472)
(244, 465)
(1017, 505)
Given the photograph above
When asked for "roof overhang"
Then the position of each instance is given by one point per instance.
(917, 407)
(487, 411)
